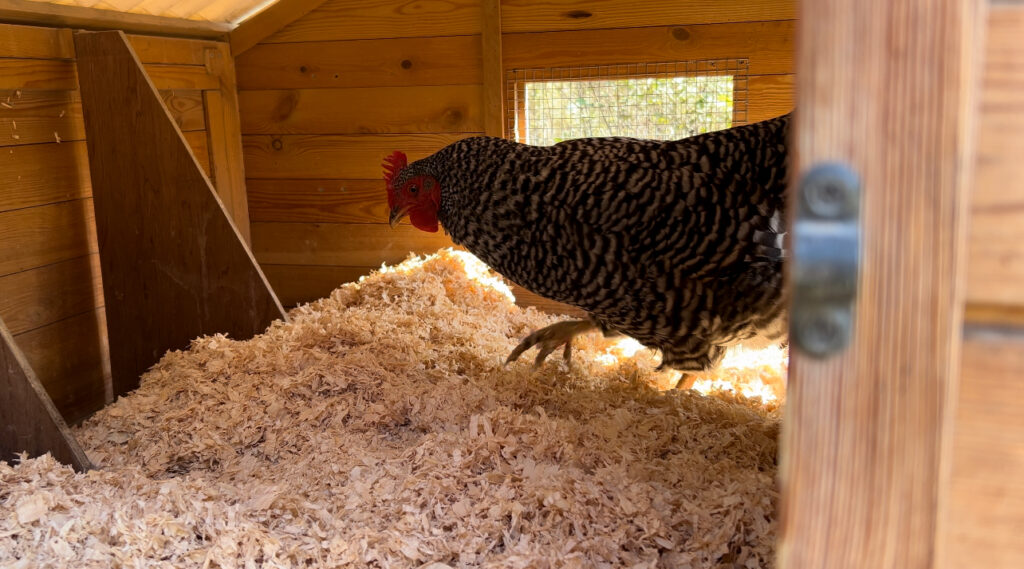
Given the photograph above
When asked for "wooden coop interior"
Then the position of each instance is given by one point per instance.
(288, 108)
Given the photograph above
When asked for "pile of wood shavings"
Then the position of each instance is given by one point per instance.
(379, 428)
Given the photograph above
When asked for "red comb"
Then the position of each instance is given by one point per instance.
(393, 164)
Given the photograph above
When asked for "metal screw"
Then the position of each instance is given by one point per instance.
(822, 330)
(828, 192)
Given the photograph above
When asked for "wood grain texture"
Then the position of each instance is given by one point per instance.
(987, 494)
(493, 75)
(31, 421)
(40, 174)
(198, 142)
(318, 201)
(770, 96)
(200, 12)
(226, 140)
(38, 236)
(363, 63)
(533, 16)
(32, 117)
(257, 27)
(35, 42)
(341, 244)
(334, 156)
(46, 14)
(373, 19)
(70, 358)
(767, 45)
(370, 110)
(863, 450)
(59, 75)
(996, 260)
(156, 49)
(174, 266)
(43, 295)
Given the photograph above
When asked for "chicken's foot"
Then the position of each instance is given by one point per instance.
(551, 337)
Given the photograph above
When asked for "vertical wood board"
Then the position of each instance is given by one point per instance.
(174, 266)
(887, 89)
(31, 422)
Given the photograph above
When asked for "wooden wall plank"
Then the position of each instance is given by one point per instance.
(370, 110)
(996, 259)
(199, 143)
(170, 256)
(39, 236)
(35, 42)
(343, 244)
(54, 75)
(186, 107)
(533, 16)
(333, 156)
(31, 117)
(363, 63)
(299, 284)
(767, 45)
(70, 359)
(318, 201)
(31, 421)
(43, 295)
(373, 19)
(886, 88)
(39, 174)
(256, 28)
(59, 75)
(769, 96)
(987, 496)
(157, 49)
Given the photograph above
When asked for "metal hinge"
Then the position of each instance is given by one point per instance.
(826, 259)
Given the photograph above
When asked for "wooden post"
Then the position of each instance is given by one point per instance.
(174, 265)
(494, 115)
(31, 423)
(885, 87)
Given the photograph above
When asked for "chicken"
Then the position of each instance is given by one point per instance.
(677, 244)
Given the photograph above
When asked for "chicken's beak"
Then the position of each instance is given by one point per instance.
(397, 213)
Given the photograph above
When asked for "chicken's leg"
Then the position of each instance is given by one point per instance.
(550, 337)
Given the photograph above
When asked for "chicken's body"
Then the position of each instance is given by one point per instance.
(676, 244)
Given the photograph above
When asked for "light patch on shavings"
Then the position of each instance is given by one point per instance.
(379, 428)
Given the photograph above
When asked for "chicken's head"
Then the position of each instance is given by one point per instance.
(411, 192)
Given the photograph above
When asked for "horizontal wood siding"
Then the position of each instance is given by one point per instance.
(327, 97)
(51, 296)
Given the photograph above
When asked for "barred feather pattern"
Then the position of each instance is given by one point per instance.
(677, 244)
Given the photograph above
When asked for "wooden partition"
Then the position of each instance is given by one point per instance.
(324, 99)
(50, 291)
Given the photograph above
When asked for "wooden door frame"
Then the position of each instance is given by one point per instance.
(888, 89)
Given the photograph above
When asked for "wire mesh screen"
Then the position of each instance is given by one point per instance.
(664, 101)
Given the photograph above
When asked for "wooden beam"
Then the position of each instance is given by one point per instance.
(31, 422)
(886, 88)
(494, 79)
(174, 265)
(267, 21)
(46, 14)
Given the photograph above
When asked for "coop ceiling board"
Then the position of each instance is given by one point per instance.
(174, 265)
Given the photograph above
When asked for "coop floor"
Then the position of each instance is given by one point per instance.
(379, 428)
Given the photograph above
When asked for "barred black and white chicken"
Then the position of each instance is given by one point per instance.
(677, 244)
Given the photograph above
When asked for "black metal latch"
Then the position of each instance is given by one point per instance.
(826, 259)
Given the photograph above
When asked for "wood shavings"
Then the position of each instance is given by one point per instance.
(380, 429)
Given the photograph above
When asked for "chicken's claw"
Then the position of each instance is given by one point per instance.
(550, 337)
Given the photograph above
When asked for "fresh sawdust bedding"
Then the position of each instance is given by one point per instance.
(379, 428)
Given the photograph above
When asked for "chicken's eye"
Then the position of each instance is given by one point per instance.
(413, 189)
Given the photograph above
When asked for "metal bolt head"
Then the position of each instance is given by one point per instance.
(822, 330)
(830, 191)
